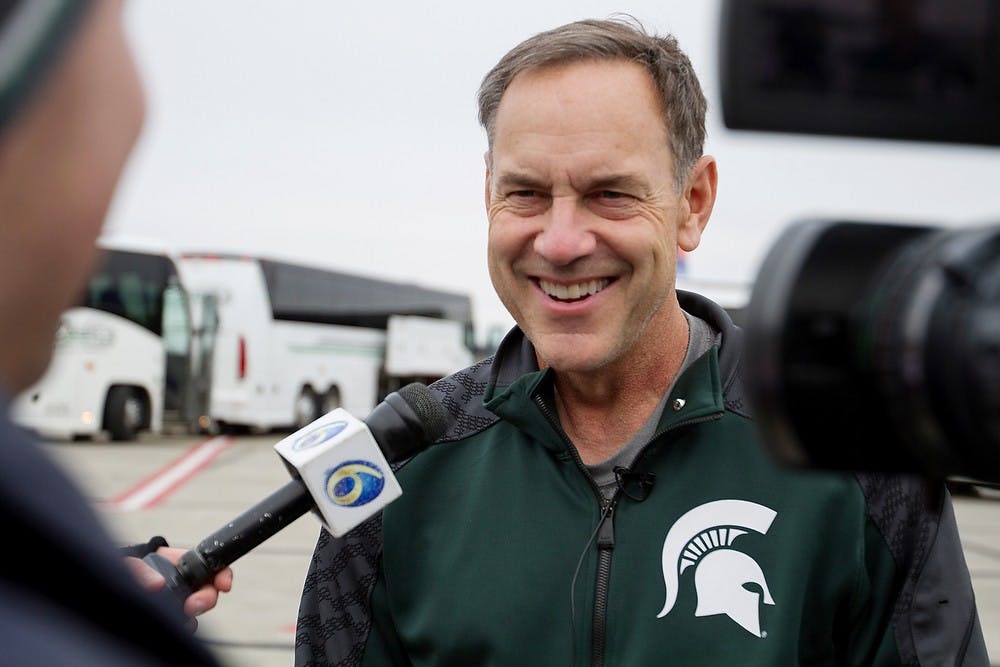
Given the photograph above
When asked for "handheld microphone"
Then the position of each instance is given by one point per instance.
(341, 471)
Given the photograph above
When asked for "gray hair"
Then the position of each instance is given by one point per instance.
(681, 97)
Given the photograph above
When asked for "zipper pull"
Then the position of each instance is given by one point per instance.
(606, 533)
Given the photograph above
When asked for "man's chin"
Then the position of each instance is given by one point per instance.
(571, 353)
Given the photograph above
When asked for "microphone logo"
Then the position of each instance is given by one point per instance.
(319, 435)
(354, 483)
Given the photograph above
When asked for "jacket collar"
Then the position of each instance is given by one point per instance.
(515, 377)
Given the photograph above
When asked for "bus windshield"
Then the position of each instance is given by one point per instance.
(131, 285)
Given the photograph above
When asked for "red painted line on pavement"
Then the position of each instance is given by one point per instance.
(156, 488)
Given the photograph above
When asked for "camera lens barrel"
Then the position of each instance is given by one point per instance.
(938, 350)
(877, 347)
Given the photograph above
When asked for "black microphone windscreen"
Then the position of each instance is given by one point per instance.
(427, 408)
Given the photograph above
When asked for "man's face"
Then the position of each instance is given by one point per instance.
(583, 212)
(60, 160)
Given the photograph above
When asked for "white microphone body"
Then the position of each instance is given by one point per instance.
(343, 467)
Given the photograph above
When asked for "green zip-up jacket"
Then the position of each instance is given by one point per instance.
(501, 550)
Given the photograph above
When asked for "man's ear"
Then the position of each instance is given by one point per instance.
(699, 198)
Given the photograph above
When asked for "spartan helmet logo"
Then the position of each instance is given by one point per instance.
(703, 537)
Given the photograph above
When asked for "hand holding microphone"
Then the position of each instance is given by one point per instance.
(341, 471)
(200, 601)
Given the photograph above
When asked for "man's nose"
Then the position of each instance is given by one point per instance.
(564, 237)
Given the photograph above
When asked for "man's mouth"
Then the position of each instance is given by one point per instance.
(575, 291)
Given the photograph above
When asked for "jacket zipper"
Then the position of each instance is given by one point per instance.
(605, 543)
(605, 547)
(606, 531)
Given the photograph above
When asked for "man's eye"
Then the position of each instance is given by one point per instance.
(523, 194)
(613, 197)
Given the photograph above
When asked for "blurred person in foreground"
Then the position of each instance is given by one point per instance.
(71, 108)
(600, 497)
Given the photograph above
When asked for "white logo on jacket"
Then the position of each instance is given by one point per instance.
(703, 537)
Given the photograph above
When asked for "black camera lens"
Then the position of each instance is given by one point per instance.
(877, 347)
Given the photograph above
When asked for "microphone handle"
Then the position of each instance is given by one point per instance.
(213, 554)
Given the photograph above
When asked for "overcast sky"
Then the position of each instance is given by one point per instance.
(344, 135)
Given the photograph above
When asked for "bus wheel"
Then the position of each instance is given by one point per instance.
(306, 408)
(124, 413)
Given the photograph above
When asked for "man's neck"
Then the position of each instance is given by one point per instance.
(624, 395)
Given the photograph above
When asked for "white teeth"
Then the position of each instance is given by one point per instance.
(574, 291)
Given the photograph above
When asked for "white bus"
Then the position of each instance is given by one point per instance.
(128, 357)
(295, 342)
(204, 342)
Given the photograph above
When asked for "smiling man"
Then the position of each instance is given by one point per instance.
(586, 216)
(600, 497)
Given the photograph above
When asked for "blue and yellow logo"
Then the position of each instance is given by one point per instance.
(319, 435)
(354, 483)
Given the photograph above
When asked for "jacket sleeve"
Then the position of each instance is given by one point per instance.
(383, 649)
(335, 612)
(919, 607)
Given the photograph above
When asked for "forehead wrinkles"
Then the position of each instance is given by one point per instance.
(594, 93)
(571, 123)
